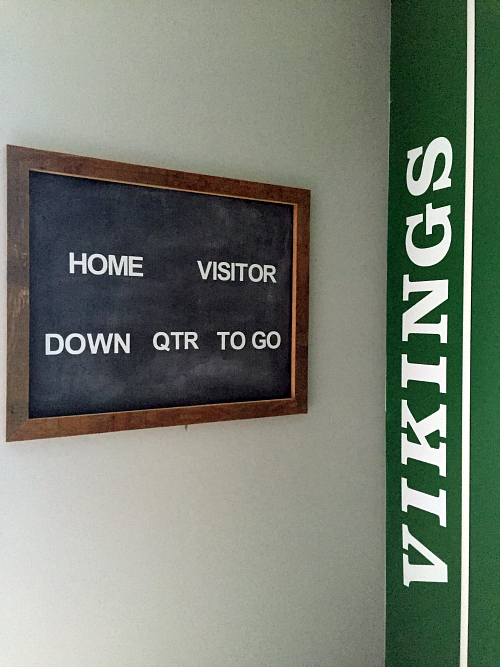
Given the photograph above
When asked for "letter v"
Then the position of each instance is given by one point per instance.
(436, 571)
(204, 273)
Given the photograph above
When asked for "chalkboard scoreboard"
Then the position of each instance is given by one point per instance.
(141, 297)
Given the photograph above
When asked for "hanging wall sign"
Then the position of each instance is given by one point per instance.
(143, 297)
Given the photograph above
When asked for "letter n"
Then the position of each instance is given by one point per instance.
(438, 293)
(436, 571)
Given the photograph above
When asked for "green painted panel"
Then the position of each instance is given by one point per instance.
(484, 633)
(428, 101)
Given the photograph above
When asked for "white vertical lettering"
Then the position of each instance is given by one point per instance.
(435, 456)
(438, 146)
(437, 571)
(438, 294)
(433, 254)
(424, 373)
(424, 501)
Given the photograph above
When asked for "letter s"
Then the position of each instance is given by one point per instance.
(438, 146)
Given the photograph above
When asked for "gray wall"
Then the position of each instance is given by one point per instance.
(254, 543)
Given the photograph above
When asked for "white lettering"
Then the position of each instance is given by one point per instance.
(166, 341)
(190, 338)
(438, 146)
(67, 343)
(437, 571)
(124, 344)
(48, 347)
(432, 504)
(251, 272)
(223, 335)
(204, 272)
(424, 373)
(241, 268)
(261, 343)
(242, 342)
(177, 335)
(91, 267)
(277, 343)
(134, 264)
(117, 268)
(433, 254)
(99, 340)
(269, 272)
(126, 265)
(77, 262)
(224, 271)
(438, 294)
(76, 343)
(435, 456)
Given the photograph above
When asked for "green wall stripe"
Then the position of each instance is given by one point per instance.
(466, 361)
(424, 488)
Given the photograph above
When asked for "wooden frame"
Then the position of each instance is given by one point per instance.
(20, 161)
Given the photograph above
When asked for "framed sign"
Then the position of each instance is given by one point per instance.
(142, 297)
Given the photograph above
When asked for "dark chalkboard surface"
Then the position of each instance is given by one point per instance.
(151, 292)
(171, 231)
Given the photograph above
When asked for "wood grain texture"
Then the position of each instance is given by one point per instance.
(20, 161)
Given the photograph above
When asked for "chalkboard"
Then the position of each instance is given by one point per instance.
(143, 297)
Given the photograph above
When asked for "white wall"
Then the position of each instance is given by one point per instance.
(254, 543)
